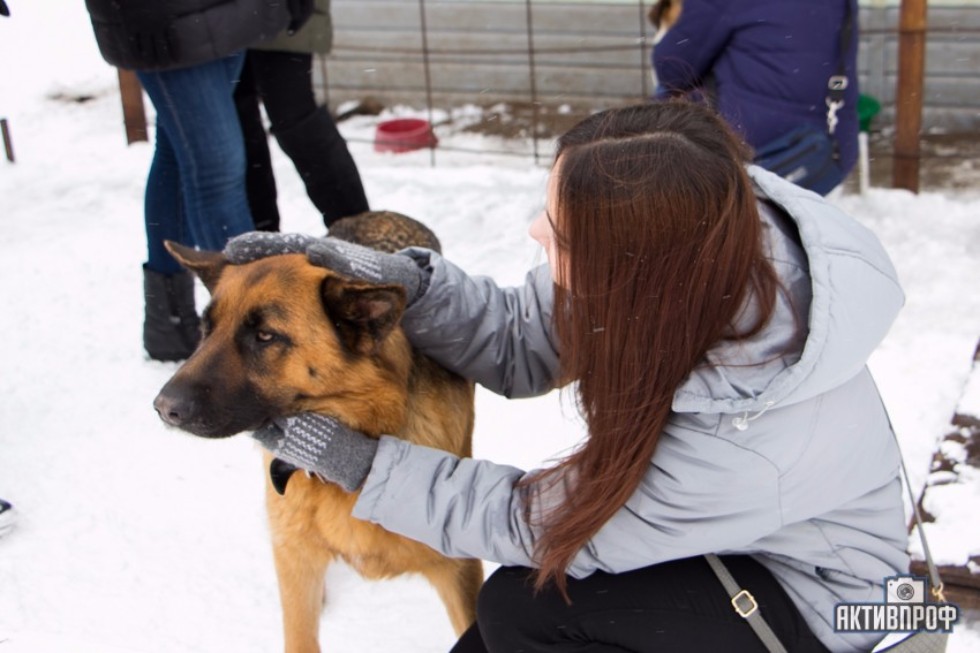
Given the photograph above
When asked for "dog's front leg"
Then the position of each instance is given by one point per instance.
(301, 562)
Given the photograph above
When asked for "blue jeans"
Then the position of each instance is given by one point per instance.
(195, 193)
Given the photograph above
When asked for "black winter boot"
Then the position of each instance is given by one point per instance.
(322, 159)
(171, 327)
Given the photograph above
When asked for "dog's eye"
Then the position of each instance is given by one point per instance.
(264, 336)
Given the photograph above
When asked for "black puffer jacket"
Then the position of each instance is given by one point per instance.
(164, 34)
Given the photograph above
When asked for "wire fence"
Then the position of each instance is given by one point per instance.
(534, 50)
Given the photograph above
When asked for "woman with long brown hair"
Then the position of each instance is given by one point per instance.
(714, 322)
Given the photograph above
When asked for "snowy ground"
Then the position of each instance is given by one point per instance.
(134, 538)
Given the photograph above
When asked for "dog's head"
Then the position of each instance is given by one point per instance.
(282, 336)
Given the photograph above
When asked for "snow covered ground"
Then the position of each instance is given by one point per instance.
(138, 539)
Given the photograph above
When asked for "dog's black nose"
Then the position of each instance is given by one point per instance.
(172, 410)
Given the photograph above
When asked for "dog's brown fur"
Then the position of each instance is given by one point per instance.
(283, 336)
(663, 15)
(385, 231)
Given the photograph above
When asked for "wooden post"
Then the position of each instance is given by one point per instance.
(8, 145)
(134, 117)
(908, 94)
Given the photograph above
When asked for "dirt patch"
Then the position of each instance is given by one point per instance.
(521, 120)
(949, 161)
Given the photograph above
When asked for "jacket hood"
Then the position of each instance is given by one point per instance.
(841, 297)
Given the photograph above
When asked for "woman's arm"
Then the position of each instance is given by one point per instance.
(687, 505)
(499, 337)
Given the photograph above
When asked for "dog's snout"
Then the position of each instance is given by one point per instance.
(173, 409)
(198, 408)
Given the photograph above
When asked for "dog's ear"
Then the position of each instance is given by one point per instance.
(206, 265)
(363, 314)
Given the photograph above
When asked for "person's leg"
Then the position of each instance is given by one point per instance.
(195, 193)
(470, 641)
(677, 606)
(260, 180)
(196, 111)
(285, 84)
(171, 328)
(163, 211)
(308, 135)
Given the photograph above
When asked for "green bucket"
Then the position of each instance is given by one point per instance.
(868, 108)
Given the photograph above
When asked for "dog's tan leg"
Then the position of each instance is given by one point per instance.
(301, 559)
(458, 582)
(300, 571)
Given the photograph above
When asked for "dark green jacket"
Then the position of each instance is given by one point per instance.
(315, 37)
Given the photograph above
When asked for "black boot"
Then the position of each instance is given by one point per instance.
(322, 159)
(171, 328)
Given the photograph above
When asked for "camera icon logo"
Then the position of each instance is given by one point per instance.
(905, 589)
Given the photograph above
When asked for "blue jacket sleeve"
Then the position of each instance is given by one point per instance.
(687, 53)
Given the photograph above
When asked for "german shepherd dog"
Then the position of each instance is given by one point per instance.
(283, 336)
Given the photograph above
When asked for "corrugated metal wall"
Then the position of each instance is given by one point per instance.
(592, 55)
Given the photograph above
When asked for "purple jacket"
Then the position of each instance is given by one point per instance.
(768, 61)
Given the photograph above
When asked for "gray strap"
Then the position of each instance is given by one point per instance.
(745, 605)
(935, 582)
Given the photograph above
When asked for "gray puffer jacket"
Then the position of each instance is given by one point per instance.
(198, 31)
(790, 459)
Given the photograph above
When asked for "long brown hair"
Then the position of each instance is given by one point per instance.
(660, 246)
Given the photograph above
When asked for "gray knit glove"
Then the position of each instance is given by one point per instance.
(348, 259)
(369, 265)
(254, 245)
(321, 445)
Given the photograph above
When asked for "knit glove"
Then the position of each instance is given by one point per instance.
(366, 264)
(147, 25)
(348, 259)
(254, 245)
(321, 445)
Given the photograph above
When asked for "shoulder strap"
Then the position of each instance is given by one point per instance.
(838, 82)
(745, 605)
(935, 581)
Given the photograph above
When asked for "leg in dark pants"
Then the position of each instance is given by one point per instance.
(307, 133)
(677, 606)
(260, 180)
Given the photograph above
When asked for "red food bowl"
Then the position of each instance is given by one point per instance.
(403, 135)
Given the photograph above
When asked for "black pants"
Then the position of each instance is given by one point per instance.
(306, 132)
(672, 607)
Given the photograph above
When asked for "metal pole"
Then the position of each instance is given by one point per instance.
(8, 145)
(644, 58)
(428, 79)
(535, 106)
(908, 94)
